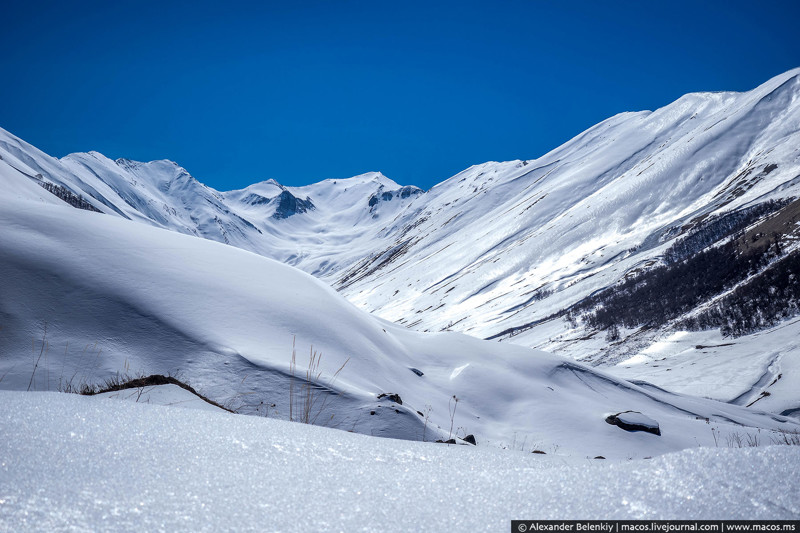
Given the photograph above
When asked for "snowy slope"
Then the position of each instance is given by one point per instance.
(82, 463)
(85, 296)
(503, 245)
(499, 246)
(761, 369)
(499, 249)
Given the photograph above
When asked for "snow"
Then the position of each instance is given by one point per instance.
(499, 247)
(501, 244)
(570, 222)
(135, 290)
(636, 419)
(72, 462)
(118, 296)
(739, 370)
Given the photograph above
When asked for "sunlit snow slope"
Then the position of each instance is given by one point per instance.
(503, 245)
(318, 228)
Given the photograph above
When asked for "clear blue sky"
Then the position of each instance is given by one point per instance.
(240, 92)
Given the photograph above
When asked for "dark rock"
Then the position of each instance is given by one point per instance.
(539, 452)
(255, 199)
(599, 457)
(634, 421)
(448, 441)
(388, 196)
(392, 397)
(289, 204)
(417, 371)
(470, 439)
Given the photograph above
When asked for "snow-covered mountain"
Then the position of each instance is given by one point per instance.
(503, 250)
(499, 246)
(318, 228)
(504, 245)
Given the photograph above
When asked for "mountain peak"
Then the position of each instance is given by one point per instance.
(273, 182)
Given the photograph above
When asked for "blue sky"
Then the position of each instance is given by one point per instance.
(239, 92)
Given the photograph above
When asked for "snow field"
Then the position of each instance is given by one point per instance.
(72, 462)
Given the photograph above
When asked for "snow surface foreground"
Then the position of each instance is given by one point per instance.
(71, 462)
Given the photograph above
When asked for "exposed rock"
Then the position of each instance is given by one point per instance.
(470, 439)
(634, 421)
(289, 204)
(255, 199)
(417, 371)
(388, 196)
(539, 452)
(392, 397)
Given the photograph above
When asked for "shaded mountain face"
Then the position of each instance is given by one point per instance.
(288, 205)
(518, 251)
(387, 196)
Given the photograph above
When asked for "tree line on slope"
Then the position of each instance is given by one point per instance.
(766, 282)
(75, 200)
(760, 303)
(717, 227)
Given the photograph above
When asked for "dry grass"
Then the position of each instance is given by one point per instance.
(312, 400)
(452, 405)
(119, 382)
(42, 351)
(787, 438)
(754, 440)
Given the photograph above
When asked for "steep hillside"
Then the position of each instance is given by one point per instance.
(502, 246)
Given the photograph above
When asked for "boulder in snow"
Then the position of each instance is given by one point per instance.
(391, 397)
(634, 421)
